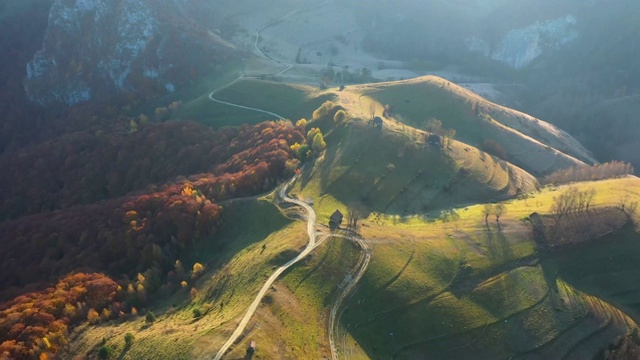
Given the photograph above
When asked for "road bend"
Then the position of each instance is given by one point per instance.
(287, 66)
(311, 244)
(347, 286)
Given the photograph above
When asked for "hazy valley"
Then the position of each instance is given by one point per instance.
(335, 180)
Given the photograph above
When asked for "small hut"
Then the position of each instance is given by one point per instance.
(335, 220)
(434, 140)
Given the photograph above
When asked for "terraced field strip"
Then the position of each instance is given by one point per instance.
(498, 322)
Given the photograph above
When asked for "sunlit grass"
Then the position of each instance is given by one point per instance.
(288, 100)
(252, 250)
(293, 323)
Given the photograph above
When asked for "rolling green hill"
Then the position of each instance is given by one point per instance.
(530, 143)
(288, 100)
(465, 289)
(400, 173)
(445, 281)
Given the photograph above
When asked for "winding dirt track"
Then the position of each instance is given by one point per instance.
(311, 244)
(347, 286)
(237, 105)
(287, 66)
(353, 277)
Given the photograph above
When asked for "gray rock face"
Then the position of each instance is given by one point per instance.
(97, 48)
(520, 47)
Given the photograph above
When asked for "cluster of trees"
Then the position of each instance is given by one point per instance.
(163, 113)
(493, 209)
(36, 325)
(146, 231)
(571, 201)
(609, 170)
(324, 110)
(312, 145)
(434, 126)
(121, 236)
(345, 75)
(626, 347)
(89, 166)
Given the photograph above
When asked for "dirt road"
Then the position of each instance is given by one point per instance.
(311, 244)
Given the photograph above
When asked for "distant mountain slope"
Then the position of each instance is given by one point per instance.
(93, 49)
(530, 143)
(571, 57)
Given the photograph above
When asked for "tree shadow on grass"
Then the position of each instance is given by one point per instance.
(124, 351)
(399, 273)
(312, 271)
(497, 243)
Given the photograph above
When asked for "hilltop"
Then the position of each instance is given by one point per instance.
(530, 143)
(393, 172)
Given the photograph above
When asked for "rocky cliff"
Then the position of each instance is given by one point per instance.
(520, 47)
(97, 48)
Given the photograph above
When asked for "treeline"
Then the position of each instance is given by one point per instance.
(88, 166)
(572, 200)
(36, 325)
(609, 170)
(148, 229)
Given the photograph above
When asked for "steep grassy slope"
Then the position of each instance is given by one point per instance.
(292, 322)
(252, 246)
(397, 172)
(608, 269)
(532, 144)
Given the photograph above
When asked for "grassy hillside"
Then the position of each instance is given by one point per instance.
(445, 281)
(252, 246)
(464, 288)
(397, 172)
(288, 100)
(532, 144)
(291, 323)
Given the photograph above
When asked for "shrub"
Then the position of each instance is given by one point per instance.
(302, 123)
(197, 313)
(105, 352)
(318, 143)
(128, 339)
(311, 134)
(340, 116)
(197, 270)
(150, 317)
(105, 315)
(323, 110)
(93, 316)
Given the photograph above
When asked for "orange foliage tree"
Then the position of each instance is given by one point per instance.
(38, 323)
(146, 229)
